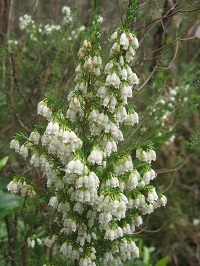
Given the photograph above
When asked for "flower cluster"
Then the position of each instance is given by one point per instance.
(32, 241)
(66, 11)
(26, 23)
(21, 186)
(99, 193)
(164, 111)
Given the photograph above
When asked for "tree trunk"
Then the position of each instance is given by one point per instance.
(162, 31)
(4, 12)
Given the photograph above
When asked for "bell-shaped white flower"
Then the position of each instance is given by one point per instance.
(134, 79)
(53, 202)
(123, 39)
(113, 37)
(135, 43)
(14, 144)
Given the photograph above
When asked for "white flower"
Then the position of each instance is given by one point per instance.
(141, 155)
(66, 11)
(31, 242)
(115, 49)
(121, 61)
(53, 202)
(135, 43)
(39, 241)
(132, 119)
(102, 91)
(99, 61)
(150, 197)
(123, 39)
(35, 137)
(108, 67)
(70, 167)
(96, 156)
(153, 155)
(55, 129)
(23, 151)
(14, 144)
(115, 80)
(106, 101)
(124, 74)
(100, 19)
(78, 167)
(13, 187)
(133, 79)
(109, 80)
(162, 200)
(113, 36)
(50, 241)
(88, 64)
(112, 104)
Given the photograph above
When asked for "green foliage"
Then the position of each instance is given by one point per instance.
(192, 146)
(3, 162)
(146, 257)
(9, 203)
(132, 12)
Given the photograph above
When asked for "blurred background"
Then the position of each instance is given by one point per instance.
(38, 54)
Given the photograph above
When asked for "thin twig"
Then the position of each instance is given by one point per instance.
(167, 170)
(150, 76)
(168, 16)
(174, 57)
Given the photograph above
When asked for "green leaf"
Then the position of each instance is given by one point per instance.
(134, 262)
(162, 262)
(146, 255)
(3, 183)
(3, 162)
(9, 203)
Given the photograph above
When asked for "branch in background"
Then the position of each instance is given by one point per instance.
(12, 76)
(167, 170)
(4, 14)
(10, 242)
(168, 16)
(162, 32)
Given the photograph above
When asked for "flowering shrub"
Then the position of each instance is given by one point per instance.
(99, 191)
(27, 24)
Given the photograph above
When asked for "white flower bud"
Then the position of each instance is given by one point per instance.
(121, 61)
(123, 39)
(113, 36)
(49, 129)
(78, 69)
(94, 61)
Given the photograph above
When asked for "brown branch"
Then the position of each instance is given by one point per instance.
(10, 242)
(168, 16)
(161, 33)
(12, 76)
(150, 76)
(167, 170)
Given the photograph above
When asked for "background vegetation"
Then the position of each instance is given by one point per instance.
(167, 99)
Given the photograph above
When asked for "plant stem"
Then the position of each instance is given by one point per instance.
(10, 243)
